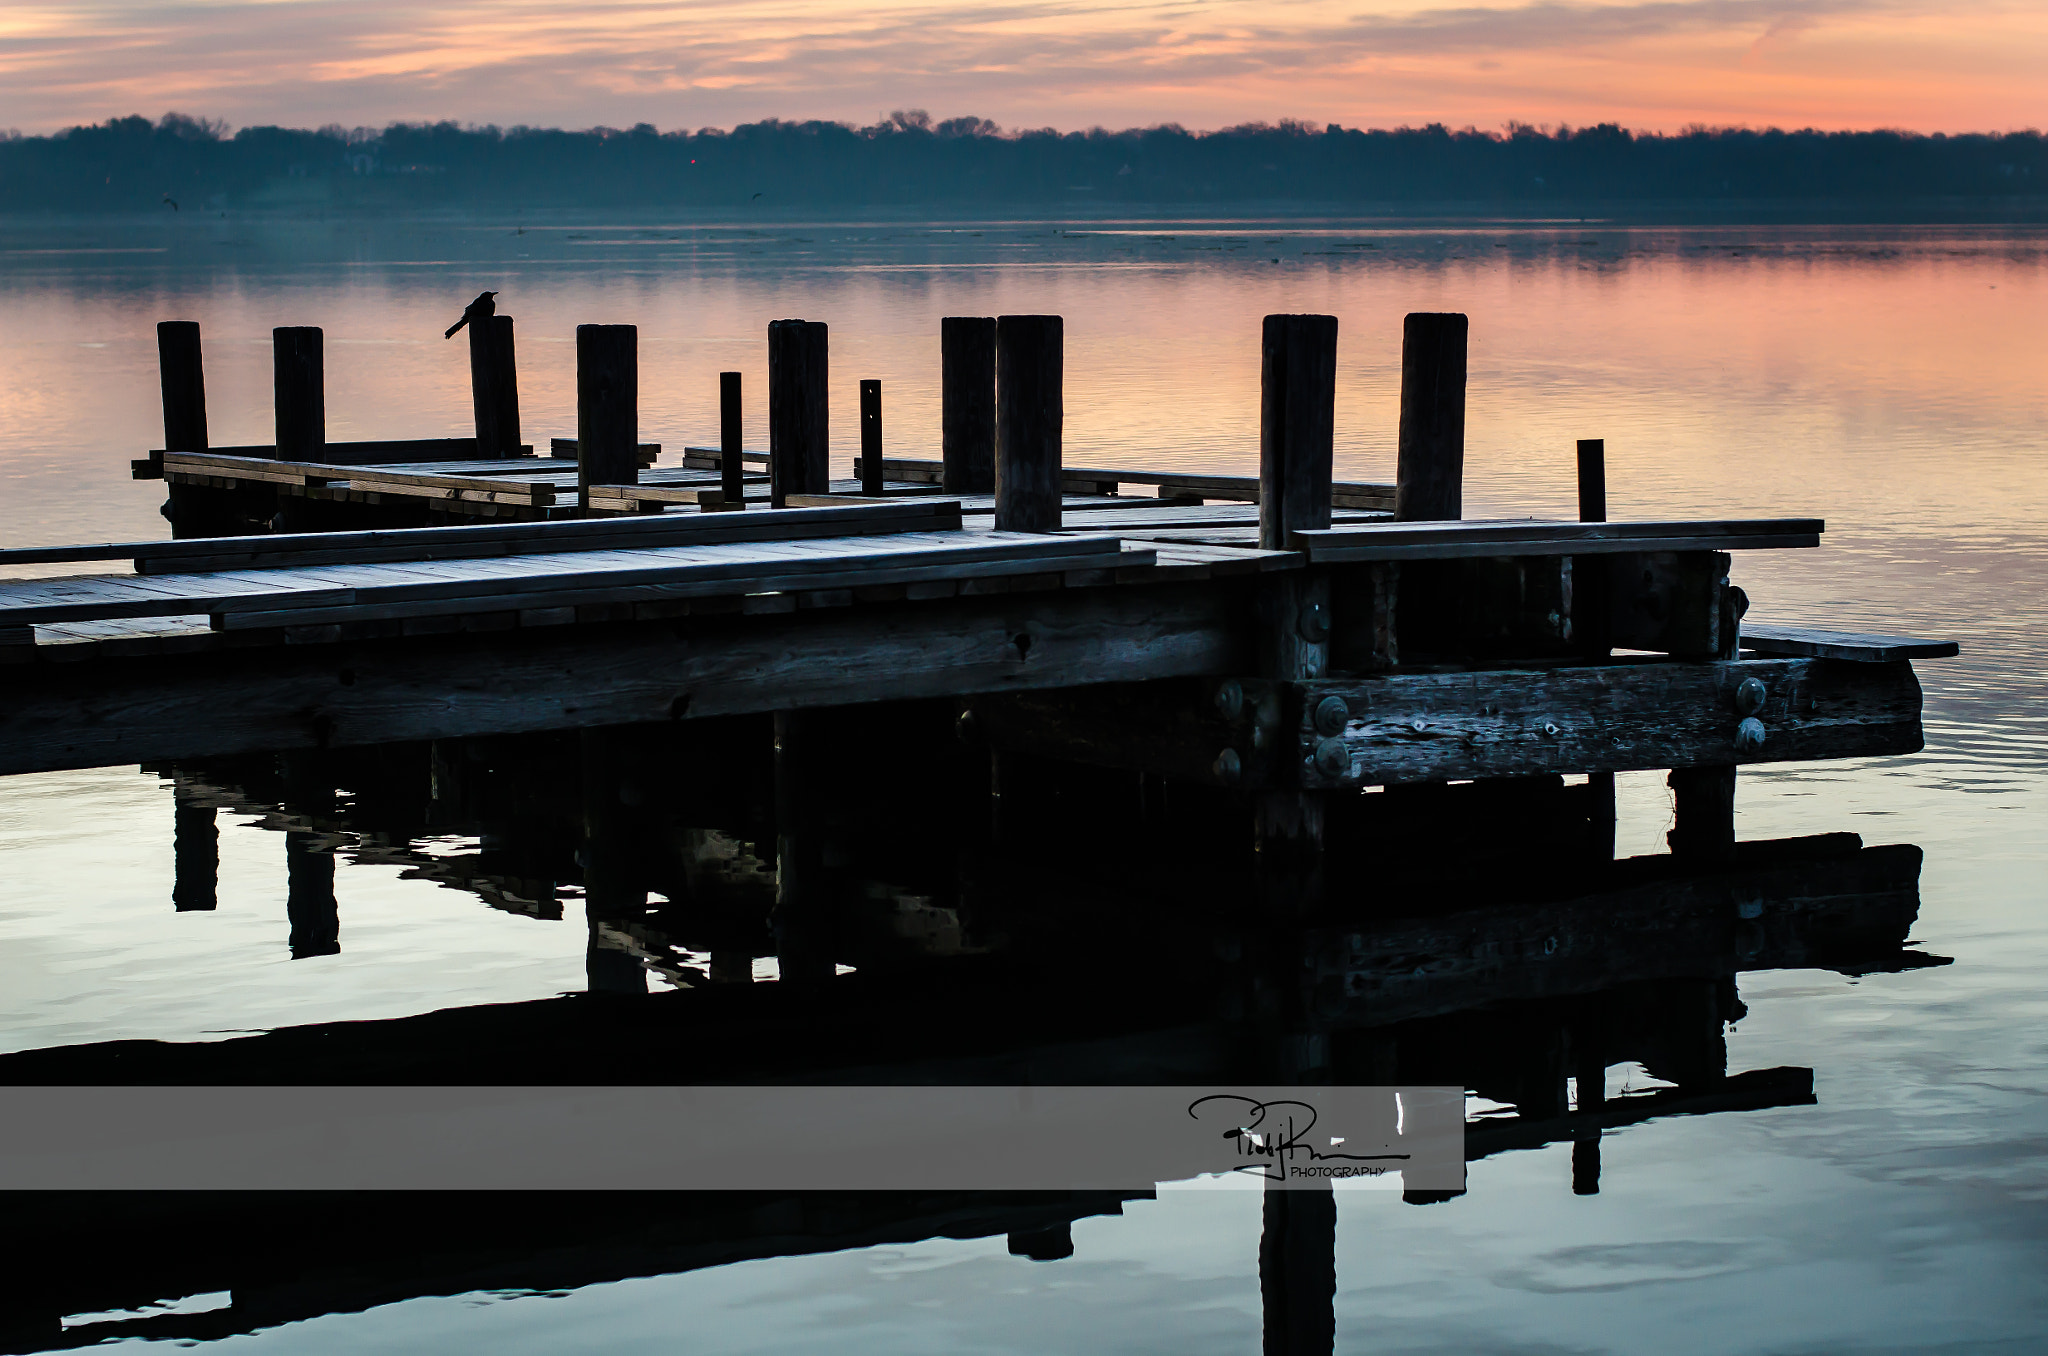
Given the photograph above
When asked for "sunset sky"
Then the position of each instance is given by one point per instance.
(1654, 64)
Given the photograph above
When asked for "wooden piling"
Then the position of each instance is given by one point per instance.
(799, 445)
(301, 400)
(1029, 415)
(731, 462)
(871, 437)
(1431, 475)
(1297, 425)
(309, 864)
(1592, 480)
(494, 386)
(607, 406)
(184, 385)
(1592, 635)
(967, 420)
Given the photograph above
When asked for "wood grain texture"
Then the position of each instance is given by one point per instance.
(1855, 646)
(58, 716)
(1449, 541)
(1409, 727)
(732, 464)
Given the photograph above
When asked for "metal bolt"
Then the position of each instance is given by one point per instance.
(1749, 696)
(1227, 767)
(1550, 728)
(1229, 698)
(1331, 713)
(1332, 758)
(1749, 736)
(1314, 623)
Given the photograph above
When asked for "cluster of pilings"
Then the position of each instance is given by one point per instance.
(1002, 419)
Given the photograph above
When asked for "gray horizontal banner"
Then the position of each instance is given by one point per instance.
(729, 1138)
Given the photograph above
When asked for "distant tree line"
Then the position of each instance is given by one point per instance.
(910, 160)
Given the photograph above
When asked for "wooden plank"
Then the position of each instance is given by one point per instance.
(633, 581)
(559, 678)
(1453, 540)
(564, 449)
(1245, 489)
(1415, 727)
(303, 472)
(1855, 646)
(363, 453)
(463, 542)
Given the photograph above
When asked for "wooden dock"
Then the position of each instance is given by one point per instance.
(1287, 637)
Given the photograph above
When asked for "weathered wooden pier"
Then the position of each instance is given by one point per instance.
(1288, 638)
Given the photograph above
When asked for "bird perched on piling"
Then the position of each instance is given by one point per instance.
(483, 308)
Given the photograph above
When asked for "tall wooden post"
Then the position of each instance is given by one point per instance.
(1296, 449)
(1297, 423)
(1298, 1271)
(184, 393)
(195, 854)
(732, 470)
(1030, 412)
(871, 437)
(184, 385)
(1591, 629)
(607, 406)
(301, 397)
(967, 417)
(494, 386)
(1430, 479)
(799, 444)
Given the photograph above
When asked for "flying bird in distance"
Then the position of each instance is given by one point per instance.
(172, 201)
(483, 308)
(755, 196)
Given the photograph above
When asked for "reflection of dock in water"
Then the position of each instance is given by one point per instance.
(1540, 995)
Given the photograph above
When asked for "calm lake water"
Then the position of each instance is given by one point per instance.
(1893, 381)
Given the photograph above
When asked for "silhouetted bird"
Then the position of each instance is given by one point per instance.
(755, 196)
(172, 201)
(483, 308)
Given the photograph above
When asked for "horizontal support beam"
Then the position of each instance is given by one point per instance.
(1417, 727)
(243, 701)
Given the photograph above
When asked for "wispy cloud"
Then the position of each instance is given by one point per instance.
(1027, 62)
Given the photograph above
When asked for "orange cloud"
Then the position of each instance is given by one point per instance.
(1069, 63)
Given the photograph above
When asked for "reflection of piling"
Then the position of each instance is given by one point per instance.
(309, 866)
(195, 854)
(1053, 1243)
(1030, 414)
(1592, 1098)
(1298, 1271)
(967, 416)
(802, 906)
(1703, 811)
(614, 890)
